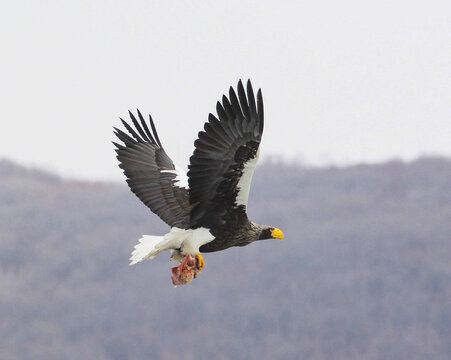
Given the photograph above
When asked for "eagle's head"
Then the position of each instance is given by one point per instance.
(271, 233)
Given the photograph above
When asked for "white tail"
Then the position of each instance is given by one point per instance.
(150, 246)
(147, 248)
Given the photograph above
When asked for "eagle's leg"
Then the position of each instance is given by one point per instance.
(200, 261)
(188, 269)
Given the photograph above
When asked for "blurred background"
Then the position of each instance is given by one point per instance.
(355, 168)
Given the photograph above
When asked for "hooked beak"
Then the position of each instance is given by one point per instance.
(277, 234)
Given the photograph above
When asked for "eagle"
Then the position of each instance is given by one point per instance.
(206, 207)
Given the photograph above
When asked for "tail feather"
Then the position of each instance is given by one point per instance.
(147, 248)
(150, 246)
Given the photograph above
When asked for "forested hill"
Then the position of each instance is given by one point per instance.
(363, 273)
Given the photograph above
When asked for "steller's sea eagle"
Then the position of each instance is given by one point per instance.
(206, 208)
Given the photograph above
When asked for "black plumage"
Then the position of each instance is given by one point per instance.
(221, 151)
(143, 159)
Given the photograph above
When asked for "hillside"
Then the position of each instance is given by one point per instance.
(363, 272)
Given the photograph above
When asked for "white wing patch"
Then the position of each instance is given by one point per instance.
(244, 184)
(181, 180)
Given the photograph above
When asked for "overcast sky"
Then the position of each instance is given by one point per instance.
(343, 81)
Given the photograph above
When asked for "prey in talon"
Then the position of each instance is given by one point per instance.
(206, 207)
(187, 270)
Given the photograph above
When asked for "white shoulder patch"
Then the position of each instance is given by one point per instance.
(244, 184)
(181, 180)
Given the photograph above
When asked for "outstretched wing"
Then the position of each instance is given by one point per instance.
(151, 174)
(225, 155)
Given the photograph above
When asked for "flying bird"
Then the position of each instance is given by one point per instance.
(205, 208)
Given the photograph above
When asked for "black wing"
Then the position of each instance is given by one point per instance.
(224, 158)
(151, 174)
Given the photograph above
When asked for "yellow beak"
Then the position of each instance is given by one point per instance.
(277, 234)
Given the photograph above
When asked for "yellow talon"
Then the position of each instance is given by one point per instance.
(200, 261)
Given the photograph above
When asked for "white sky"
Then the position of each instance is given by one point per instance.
(343, 81)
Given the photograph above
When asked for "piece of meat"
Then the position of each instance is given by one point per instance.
(186, 271)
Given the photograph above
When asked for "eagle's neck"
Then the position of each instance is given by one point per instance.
(259, 232)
